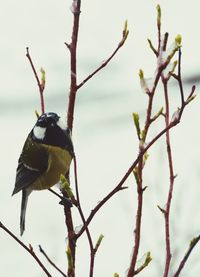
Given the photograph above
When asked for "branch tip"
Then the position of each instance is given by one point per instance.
(161, 209)
(68, 45)
(144, 188)
(152, 47)
(98, 243)
(148, 259)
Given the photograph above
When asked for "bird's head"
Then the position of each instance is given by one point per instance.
(47, 120)
(51, 129)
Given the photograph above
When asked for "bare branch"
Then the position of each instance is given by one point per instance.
(76, 5)
(50, 261)
(41, 84)
(71, 251)
(171, 177)
(179, 76)
(28, 249)
(193, 243)
(121, 43)
(145, 264)
(92, 249)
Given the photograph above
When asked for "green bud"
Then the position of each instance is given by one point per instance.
(43, 77)
(125, 26)
(65, 185)
(37, 114)
(178, 40)
(158, 15)
(62, 178)
(143, 82)
(158, 114)
(69, 258)
(125, 33)
(174, 66)
(141, 74)
(136, 119)
(116, 275)
(143, 135)
(176, 46)
(145, 157)
(191, 98)
(148, 258)
(136, 175)
(99, 242)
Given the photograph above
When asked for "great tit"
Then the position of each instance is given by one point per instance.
(47, 153)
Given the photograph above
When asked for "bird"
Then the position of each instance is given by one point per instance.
(47, 153)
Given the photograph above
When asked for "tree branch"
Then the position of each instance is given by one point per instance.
(50, 261)
(76, 5)
(193, 243)
(71, 251)
(121, 43)
(92, 252)
(28, 249)
(131, 270)
(41, 84)
(169, 153)
(172, 177)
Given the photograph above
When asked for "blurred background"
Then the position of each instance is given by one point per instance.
(104, 135)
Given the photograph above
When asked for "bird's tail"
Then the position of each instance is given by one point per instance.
(25, 195)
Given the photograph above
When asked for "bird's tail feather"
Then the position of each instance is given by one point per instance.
(25, 195)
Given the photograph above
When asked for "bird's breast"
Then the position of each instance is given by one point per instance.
(59, 161)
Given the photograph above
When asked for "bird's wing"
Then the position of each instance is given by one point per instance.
(32, 163)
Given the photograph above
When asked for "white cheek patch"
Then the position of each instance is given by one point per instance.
(39, 132)
(62, 124)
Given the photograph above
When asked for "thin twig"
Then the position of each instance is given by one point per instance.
(76, 5)
(41, 85)
(92, 252)
(170, 161)
(139, 179)
(139, 174)
(159, 27)
(145, 264)
(71, 236)
(131, 270)
(28, 249)
(55, 193)
(164, 46)
(64, 200)
(179, 76)
(186, 256)
(142, 141)
(105, 62)
(172, 177)
(50, 261)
